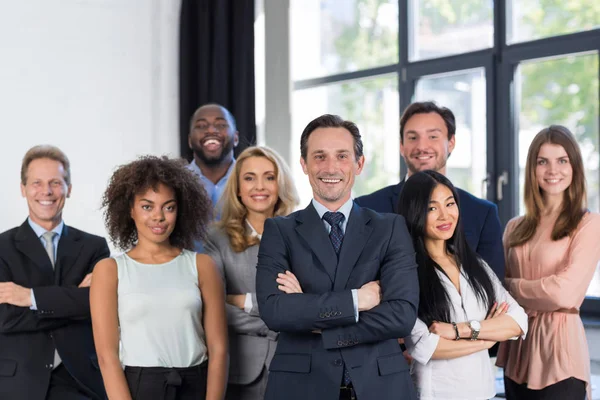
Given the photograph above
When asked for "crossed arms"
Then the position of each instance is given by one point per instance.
(333, 312)
(56, 305)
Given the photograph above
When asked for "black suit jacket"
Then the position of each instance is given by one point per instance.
(480, 222)
(62, 321)
(308, 365)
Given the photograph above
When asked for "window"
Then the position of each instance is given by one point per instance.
(442, 28)
(537, 19)
(505, 68)
(334, 36)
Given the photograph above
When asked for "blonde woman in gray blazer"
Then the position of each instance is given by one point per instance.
(260, 187)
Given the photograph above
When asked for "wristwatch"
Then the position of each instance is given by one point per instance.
(475, 328)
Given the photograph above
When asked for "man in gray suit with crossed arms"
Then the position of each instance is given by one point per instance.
(339, 282)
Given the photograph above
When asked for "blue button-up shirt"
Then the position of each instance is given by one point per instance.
(39, 231)
(214, 190)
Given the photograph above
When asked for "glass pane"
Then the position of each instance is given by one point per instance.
(536, 19)
(334, 36)
(446, 27)
(370, 103)
(562, 91)
(464, 93)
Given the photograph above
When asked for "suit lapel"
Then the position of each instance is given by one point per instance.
(311, 228)
(396, 195)
(355, 238)
(27, 242)
(69, 247)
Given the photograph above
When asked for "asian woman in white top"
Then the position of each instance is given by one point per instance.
(163, 302)
(259, 187)
(463, 308)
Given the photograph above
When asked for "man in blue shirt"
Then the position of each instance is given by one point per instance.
(213, 136)
(46, 343)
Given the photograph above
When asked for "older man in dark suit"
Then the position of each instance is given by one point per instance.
(339, 282)
(427, 137)
(46, 344)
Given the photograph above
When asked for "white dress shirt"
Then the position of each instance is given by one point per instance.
(248, 300)
(469, 377)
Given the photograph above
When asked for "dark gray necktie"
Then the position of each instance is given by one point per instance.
(49, 239)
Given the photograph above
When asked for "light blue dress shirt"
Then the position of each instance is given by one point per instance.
(39, 231)
(344, 209)
(214, 190)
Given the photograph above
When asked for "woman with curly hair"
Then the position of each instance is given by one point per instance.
(260, 187)
(552, 254)
(164, 302)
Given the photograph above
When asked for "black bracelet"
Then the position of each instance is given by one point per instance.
(456, 330)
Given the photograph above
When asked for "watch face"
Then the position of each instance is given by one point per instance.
(475, 325)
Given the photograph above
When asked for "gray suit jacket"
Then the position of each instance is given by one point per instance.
(251, 343)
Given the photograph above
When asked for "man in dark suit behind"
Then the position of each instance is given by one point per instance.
(46, 344)
(426, 141)
(339, 283)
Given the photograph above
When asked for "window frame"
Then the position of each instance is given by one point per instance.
(500, 63)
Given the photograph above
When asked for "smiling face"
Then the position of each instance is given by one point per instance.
(46, 191)
(331, 165)
(212, 136)
(154, 213)
(425, 143)
(442, 215)
(553, 170)
(258, 189)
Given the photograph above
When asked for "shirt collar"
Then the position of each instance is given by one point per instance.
(39, 231)
(253, 232)
(195, 168)
(344, 209)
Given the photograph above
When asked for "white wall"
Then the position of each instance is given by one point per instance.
(97, 78)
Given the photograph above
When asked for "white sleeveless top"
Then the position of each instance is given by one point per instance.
(160, 312)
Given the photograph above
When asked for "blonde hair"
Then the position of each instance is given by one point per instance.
(45, 151)
(574, 197)
(234, 212)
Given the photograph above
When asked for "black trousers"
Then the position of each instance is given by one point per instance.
(158, 383)
(568, 389)
(64, 387)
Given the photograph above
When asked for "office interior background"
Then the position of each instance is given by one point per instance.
(101, 80)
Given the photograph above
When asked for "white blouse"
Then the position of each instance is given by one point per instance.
(469, 377)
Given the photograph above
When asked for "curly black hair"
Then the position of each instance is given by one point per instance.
(194, 207)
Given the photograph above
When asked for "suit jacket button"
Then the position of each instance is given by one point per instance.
(328, 314)
(337, 363)
(340, 343)
(338, 313)
(321, 315)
